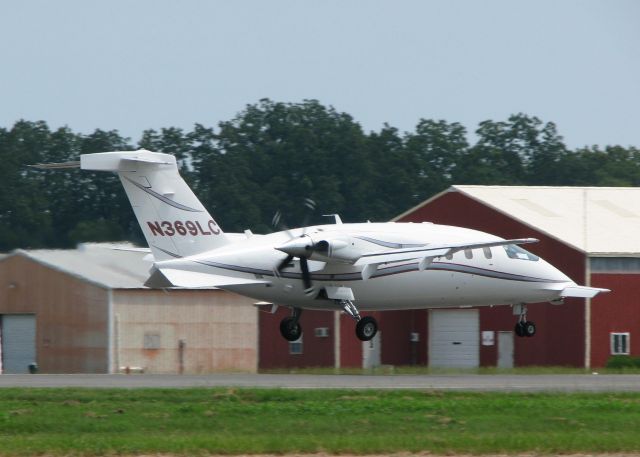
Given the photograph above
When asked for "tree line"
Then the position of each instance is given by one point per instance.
(273, 156)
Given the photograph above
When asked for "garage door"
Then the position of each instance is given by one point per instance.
(454, 338)
(18, 342)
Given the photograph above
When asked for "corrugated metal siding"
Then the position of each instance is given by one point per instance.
(617, 311)
(219, 330)
(18, 342)
(397, 347)
(350, 345)
(316, 351)
(71, 315)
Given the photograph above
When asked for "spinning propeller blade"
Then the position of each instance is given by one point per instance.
(277, 222)
(282, 265)
(306, 277)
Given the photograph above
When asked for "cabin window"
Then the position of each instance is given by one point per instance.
(468, 253)
(487, 252)
(295, 347)
(516, 252)
(449, 256)
(620, 343)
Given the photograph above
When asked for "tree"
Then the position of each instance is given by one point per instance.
(437, 147)
(272, 156)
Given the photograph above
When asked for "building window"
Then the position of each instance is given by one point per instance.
(151, 341)
(620, 343)
(295, 347)
(487, 252)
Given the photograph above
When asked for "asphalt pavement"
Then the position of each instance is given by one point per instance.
(504, 383)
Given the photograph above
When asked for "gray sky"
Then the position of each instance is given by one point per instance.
(133, 65)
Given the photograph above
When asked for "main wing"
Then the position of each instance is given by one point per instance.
(170, 277)
(426, 254)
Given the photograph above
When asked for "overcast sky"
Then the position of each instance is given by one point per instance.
(133, 65)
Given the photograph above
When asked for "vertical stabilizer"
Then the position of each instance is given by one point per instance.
(173, 220)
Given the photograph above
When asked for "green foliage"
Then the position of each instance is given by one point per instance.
(286, 421)
(623, 361)
(272, 156)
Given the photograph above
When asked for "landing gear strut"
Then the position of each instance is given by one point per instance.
(366, 327)
(523, 326)
(290, 327)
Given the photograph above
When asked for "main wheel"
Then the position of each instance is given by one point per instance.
(366, 328)
(290, 329)
(529, 328)
(520, 331)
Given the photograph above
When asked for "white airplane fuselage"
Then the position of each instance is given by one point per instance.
(477, 277)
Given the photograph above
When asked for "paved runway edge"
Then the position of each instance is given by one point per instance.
(502, 383)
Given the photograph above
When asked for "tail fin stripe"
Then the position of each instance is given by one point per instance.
(162, 198)
(169, 253)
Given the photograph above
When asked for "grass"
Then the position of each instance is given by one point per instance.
(247, 421)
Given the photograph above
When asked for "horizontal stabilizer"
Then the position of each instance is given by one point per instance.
(581, 291)
(57, 166)
(122, 161)
(192, 279)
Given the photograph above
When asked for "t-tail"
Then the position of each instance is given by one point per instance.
(173, 220)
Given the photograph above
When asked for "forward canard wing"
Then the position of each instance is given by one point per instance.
(581, 291)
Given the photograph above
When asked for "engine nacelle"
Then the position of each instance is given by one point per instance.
(323, 247)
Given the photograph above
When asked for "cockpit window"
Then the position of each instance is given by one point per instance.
(516, 252)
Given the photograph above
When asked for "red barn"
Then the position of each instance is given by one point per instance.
(591, 234)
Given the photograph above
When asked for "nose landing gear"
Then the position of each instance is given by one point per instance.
(523, 326)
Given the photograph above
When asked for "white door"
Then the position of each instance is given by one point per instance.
(505, 349)
(18, 342)
(454, 338)
(371, 351)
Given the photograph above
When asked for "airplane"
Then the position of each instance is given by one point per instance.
(351, 267)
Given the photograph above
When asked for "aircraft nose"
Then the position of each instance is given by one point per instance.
(555, 274)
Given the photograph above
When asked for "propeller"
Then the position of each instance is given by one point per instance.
(278, 223)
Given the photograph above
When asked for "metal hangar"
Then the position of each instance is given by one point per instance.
(88, 311)
(589, 233)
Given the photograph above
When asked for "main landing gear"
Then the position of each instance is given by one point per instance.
(523, 326)
(290, 327)
(366, 327)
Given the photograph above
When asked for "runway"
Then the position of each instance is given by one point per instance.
(502, 383)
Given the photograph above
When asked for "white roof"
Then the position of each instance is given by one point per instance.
(99, 264)
(596, 220)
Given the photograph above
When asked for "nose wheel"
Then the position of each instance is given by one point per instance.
(525, 328)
